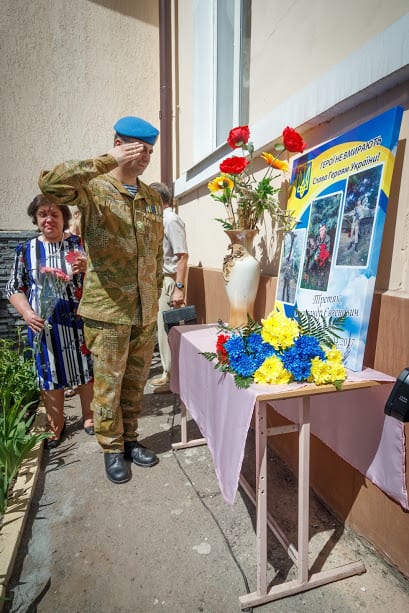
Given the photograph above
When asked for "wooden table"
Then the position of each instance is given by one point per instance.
(299, 555)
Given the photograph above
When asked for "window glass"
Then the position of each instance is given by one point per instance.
(221, 61)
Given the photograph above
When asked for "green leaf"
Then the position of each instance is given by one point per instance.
(324, 329)
(19, 392)
(226, 224)
(242, 382)
(279, 147)
(209, 355)
(251, 327)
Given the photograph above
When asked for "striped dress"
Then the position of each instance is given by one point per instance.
(62, 359)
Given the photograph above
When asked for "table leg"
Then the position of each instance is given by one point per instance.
(184, 443)
(303, 582)
(303, 486)
(261, 485)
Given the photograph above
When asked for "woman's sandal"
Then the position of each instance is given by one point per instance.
(52, 443)
(89, 429)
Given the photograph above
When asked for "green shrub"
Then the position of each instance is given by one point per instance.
(17, 371)
(16, 440)
(19, 397)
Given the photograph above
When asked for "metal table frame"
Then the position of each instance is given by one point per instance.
(299, 555)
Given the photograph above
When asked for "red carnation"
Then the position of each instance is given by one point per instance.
(71, 257)
(238, 136)
(220, 349)
(233, 165)
(293, 142)
(84, 349)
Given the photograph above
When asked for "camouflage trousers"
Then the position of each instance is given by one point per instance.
(122, 357)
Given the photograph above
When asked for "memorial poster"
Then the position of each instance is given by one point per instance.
(339, 194)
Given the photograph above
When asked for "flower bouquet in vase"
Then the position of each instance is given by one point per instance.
(247, 200)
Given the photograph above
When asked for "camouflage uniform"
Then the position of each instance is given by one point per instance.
(123, 238)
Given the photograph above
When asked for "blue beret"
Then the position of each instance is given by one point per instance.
(135, 127)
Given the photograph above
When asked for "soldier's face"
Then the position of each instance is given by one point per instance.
(138, 165)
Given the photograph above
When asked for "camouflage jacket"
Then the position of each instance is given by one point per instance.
(122, 236)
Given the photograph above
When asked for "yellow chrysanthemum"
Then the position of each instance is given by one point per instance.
(272, 372)
(220, 183)
(334, 355)
(275, 162)
(330, 370)
(279, 330)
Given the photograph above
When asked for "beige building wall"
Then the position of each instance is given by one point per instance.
(69, 70)
(296, 42)
(321, 67)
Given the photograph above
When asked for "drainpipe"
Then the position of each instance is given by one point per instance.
(165, 76)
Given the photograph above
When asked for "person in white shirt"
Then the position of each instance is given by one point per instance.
(175, 258)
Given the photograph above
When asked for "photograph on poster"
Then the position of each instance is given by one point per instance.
(339, 194)
(321, 235)
(291, 259)
(358, 219)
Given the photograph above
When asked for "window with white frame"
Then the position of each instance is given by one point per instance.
(221, 68)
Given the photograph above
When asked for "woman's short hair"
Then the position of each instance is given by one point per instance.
(42, 200)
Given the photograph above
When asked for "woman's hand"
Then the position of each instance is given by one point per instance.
(33, 321)
(80, 264)
(22, 306)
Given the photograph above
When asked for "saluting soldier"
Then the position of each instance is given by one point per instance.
(122, 232)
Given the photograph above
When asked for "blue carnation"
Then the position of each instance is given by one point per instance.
(247, 354)
(234, 346)
(297, 359)
(254, 342)
(256, 345)
(243, 365)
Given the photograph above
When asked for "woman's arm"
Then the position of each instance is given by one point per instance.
(17, 289)
(22, 306)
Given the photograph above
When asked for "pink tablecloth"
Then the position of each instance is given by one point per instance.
(351, 423)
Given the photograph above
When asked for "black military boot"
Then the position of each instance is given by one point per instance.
(116, 468)
(138, 454)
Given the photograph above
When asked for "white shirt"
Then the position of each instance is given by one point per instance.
(174, 240)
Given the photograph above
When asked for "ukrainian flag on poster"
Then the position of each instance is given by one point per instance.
(339, 194)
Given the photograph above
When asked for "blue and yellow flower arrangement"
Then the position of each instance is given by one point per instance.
(280, 350)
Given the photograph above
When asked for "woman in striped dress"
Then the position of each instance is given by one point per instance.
(45, 287)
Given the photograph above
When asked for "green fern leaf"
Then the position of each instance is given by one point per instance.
(209, 355)
(326, 330)
(242, 382)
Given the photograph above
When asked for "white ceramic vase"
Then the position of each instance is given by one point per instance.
(241, 272)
